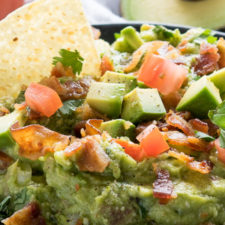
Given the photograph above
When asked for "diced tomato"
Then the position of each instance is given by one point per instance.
(221, 151)
(152, 141)
(42, 99)
(106, 64)
(161, 73)
(132, 149)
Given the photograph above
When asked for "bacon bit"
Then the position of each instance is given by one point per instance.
(181, 156)
(96, 33)
(73, 148)
(5, 161)
(92, 158)
(163, 186)
(77, 187)
(35, 141)
(70, 89)
(3, 111)
(178, 122)
(30, 214)
(92, 126)
(175, 138)
(221, 47)
(213, 129)
(32, 115)
(199, 125)
(21, 106)
(106, 64)
(79, 222)
(198, 144)
(179, 139)
(203, 167)
(78, 126)
(208, 60)
(170, 101)
(185, 115)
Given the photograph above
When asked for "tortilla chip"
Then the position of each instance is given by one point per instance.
(32, 35)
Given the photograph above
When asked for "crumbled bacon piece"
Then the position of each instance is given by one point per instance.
(106, 64)
(92, 126)
(70, 89)
(5, 161)
(171, 101)
(198, 144)
(29, 215)
(213, 129)
(163, 186)
(199, 125)
(207, 62)
(35, 141)
(178, 122)
(92, 157)
(203, 167)
(79, 222)
(177, 138)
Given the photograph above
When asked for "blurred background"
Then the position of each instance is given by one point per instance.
(204, 13)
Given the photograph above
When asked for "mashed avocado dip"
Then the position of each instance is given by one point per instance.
(142, 144)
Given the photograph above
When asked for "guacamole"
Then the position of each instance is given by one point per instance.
(142, 145)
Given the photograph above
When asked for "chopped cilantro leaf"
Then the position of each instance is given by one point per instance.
(70, 59)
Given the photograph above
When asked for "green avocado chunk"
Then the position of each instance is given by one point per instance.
(5, 123)
(142, 104)
(119, 128)
(200, 97)
(120, 78)
(132, 37)
(218, 78)
(106, 98)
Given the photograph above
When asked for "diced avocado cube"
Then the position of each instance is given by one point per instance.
(6, 122)
(142, 104)
(106, 98)
(121, 45)
(120, 78)
(119, 128)
(218, 78)
(200, 97)
(132, 37)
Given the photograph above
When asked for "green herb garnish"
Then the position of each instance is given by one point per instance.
(204, 136)
(70, 59)
(218, 118)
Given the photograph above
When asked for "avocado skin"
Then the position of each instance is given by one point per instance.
(119, 128)
(207, 13)
(106, 98)
(142, 104)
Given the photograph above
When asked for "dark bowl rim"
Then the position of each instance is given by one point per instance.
(139, 23)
